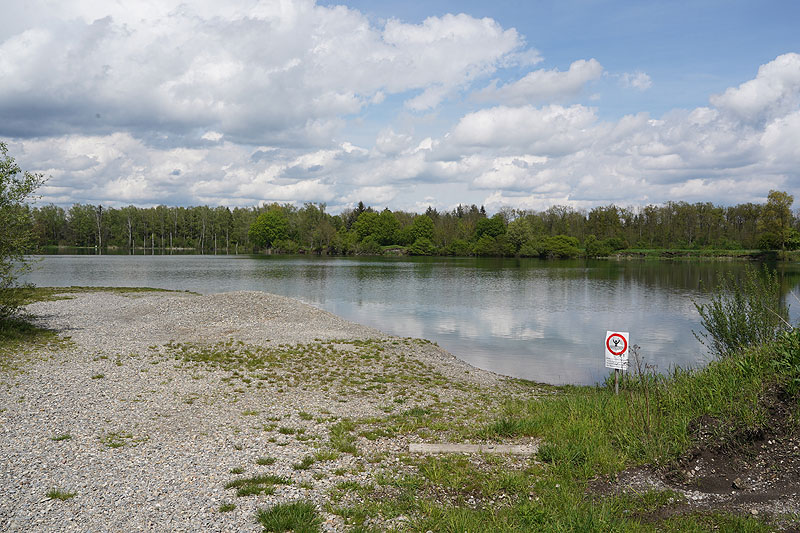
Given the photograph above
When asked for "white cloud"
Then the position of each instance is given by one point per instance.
(545, 85)
(538, 130)
(636, 80)
(256, 101)
(255, 71)
(774, 91)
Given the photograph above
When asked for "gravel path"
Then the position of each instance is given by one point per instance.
(145, 432)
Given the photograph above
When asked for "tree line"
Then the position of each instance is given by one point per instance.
(559, 231)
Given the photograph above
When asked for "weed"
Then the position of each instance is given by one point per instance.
(265, 461)
(98, 376)
(58, 494)
(227, 507)
(63, 436)
(237, 470)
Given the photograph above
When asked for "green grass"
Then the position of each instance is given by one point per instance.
(342, 438)
(118, 439)
(227, 507)
(45, 294)
(265, 461)
(58, 494)
(260, 484)
(19, 339)
(63, 436)
(299, 517)
(586, 433)
(305, 463)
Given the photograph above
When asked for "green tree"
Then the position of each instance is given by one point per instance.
(491, 227)
(16, 187)
(366, 224)
(422, 228)
(776, 217)
(519, 232)
(269, 228)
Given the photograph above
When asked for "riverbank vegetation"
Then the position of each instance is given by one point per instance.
(689, 450)
(674, 229)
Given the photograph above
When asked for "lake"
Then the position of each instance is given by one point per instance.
(528, 318)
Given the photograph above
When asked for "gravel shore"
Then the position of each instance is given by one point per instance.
(144, 413)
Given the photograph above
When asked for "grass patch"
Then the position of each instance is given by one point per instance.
(49, 294)
(305, 463)
(115, 439)
(299, 517)
(58, 494)
(265, 461)
(227, 507)
(260, 484)
(19, 338)
(63, 436)
(342, 438)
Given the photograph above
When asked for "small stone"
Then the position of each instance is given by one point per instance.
(754, 512)
(738, 484)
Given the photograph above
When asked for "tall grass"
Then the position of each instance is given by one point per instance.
(591, 431)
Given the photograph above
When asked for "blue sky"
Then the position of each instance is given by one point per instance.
(403, 104)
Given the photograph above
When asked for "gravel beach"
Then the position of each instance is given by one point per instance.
(157, 400)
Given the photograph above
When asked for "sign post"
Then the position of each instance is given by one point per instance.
(617, 354)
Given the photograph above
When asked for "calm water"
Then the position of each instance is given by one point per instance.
(540, 320)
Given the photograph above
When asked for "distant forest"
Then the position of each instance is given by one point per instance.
(559, 231)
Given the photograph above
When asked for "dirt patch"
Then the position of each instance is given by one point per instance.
(754, 472)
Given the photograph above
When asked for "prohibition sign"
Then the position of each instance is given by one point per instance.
(612, 350)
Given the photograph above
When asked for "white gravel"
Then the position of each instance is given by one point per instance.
(183, 429)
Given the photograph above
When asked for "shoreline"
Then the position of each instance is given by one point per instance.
(161, 400)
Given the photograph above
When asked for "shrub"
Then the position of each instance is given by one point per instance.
(460, 247)
(422, 246)
(743, 313)
(560, 246)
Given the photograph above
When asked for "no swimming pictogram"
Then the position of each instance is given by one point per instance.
(617, 344)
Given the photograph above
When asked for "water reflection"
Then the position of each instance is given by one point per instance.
(527, 318)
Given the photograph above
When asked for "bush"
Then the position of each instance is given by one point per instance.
(370, 246)
(286, 246)
(460, 247)
(422, 246)
(743, 313)
(560, 246)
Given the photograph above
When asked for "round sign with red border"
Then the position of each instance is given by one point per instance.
(615, 351)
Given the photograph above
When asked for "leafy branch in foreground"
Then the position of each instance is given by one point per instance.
(743, 313)
(16, 187)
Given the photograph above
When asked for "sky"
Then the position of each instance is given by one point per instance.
(402, 104)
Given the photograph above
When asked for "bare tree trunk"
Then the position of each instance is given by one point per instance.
(98, 217)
